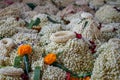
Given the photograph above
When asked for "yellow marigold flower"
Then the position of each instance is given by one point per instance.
(24, 49)
(50, 58)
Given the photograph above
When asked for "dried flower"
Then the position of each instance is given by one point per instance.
(24, 76)
(17, 18)
(24, 49)
(92, 47)
(114, 29)
(67, 76)
(9, 2)
(50, 58)
(79, 36)
(116, 9)
(100, 26)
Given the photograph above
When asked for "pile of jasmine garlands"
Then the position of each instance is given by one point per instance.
(60, 40)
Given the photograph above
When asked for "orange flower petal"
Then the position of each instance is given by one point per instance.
(50, 58)
(72, 78)
(24, 49)
(87, 78)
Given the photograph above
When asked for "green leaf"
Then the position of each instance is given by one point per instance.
(82, 20)
(26, 62)
(56, 64)
(51, 20)
(85, 24)
(37, 73)
(59, 53)
(43, 54)
(2, 66)
(34, 23)
(76, 5)
(37, 21)
(1, 38)
(62, 67)
(30, 25)
(31, 5)
(17, 61)
(54, 2)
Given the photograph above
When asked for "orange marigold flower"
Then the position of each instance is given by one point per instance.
(24, 49)
(87, 78)
(50, 58)
(72, 78)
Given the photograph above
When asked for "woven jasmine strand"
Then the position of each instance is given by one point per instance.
(75, 18)
(3, 51)
(79, 46)
(95, 4)
(45, 39)
(2, 77)
(48, 8)
(106, 66)
(107, 14)
(62, 2)
(53, 73)
(4, 61)
(74, 21)
(115, 42)
(88, 28)
(77, 57)
(9, 12)
(26, 30)
(28, 38)
(12, 55)
(101, 49)
(109, 31)
(40, 63)
(43, 20)
(50, 28)
(13, 22)
(107, 35)
(36, 53)
(10, 73)
(27, 16)
(78, 63)
(22, 7)
(92, 32)
(42, 17)
(54, 47)
(2, 21)
(38, 2)
(7, 31)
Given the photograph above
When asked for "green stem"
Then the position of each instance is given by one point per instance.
(26, 62)
(73, 74)
(37, 73)
(51, 20)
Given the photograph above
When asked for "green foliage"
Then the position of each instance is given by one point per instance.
(37, 73)
(31, 5)
(17, 61)
(34, 23)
